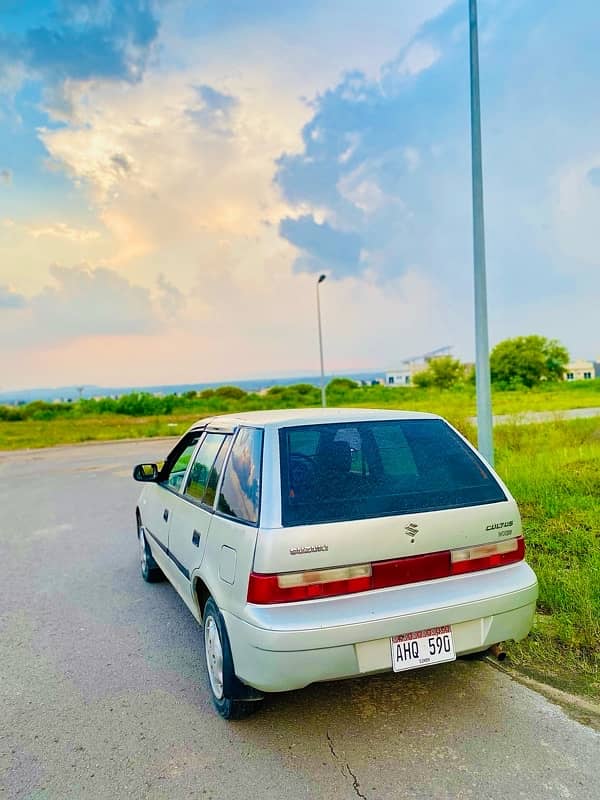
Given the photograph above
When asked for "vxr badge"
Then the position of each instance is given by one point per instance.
(411, 530)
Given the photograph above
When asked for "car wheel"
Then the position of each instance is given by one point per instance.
(219, 666)
(150, 570)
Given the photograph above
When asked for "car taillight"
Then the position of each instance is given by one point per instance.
(293, 586)
(485, 556)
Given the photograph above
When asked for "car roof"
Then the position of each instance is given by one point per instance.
(282, 418)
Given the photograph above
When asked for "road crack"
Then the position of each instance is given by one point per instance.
(345, 767)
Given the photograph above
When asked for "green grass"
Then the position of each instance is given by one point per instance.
(460, 402)
(553, 470)
(100, 427)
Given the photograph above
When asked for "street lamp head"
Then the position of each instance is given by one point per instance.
(321, 278)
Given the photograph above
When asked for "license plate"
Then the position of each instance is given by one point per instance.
(422, 648)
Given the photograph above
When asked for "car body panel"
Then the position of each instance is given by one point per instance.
(381, 538)
(239, 542)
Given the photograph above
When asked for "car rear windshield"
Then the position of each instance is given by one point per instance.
(357, 470)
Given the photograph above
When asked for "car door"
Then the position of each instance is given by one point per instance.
(192, 509)
(233, 529)
(156, 504)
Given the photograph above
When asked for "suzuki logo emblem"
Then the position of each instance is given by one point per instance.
(411, 530)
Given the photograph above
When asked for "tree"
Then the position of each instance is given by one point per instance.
(442, 373)
(528, 360)
(339, 390)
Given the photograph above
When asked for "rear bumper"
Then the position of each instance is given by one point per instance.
(288, 646)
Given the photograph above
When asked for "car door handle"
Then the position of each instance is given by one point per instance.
(166, 514)
(196, 538)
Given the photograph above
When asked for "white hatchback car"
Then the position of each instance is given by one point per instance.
(319, 544)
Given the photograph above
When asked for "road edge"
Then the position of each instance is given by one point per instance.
(580, 709)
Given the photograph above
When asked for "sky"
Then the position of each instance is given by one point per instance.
(175, 175)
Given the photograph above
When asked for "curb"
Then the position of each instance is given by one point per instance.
(581, 709)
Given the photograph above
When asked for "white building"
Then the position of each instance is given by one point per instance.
(582, 370)
(404, 375)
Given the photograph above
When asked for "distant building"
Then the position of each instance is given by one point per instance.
(582, 370)
(411, 366)
(404, 376)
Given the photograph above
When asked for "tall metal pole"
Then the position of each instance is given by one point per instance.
(323, 397)
(485, 440)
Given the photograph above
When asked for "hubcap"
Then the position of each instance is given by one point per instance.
(214, 656)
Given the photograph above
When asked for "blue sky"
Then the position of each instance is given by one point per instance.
(174, 176)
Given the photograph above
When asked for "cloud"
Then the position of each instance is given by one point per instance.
(418, 57)
(593, 176)
(87, 302)
(387, 159)
(172, 299)
(324, 245)
(215, 110)
(121, 163)
(158, 178)
(54, 230)
(6, 177)
(11, 299)
(370, 163)
(87, 39)
(80, 302)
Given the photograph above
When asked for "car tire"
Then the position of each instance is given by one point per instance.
(150, 570)
(222, 680)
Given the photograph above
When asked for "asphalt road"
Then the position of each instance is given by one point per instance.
(102, 685)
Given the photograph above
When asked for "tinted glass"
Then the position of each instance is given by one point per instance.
(240, 491)
(200, 470)
(178, 461)
(215, 473)
(373, 469)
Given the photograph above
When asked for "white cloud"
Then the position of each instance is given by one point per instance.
(172, 300)
(412, 158)
(362, 190)
(182, 181)
(80, 302)
(189, 213)
(576, 210)
(54, 230)
(9, 298)
(420, 56)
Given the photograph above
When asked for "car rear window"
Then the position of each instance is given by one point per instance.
(347, 471)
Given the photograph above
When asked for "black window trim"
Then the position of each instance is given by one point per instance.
(226, 444)
(168, 463)
(222, 514)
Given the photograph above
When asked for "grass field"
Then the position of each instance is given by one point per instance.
(553, 469)
(46, 425)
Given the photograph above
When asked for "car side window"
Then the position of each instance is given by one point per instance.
(240, 490)
(200, 469)
(174, 470)
(215, 473)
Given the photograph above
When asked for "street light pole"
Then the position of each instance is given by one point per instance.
(323, 398)
(485, 441)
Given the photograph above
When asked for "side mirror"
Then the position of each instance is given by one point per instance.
(145, 472)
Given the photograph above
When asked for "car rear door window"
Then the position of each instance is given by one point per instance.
(217, 468)
(371, 469)
(240, 491)
(197, 480)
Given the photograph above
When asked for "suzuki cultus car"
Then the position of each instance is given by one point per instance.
(320, 544)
